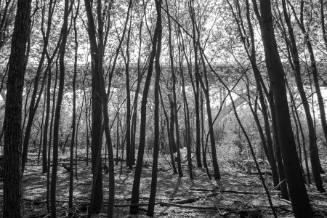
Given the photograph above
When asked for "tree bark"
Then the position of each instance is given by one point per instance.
(129, 158)
(197, 88)
(73, 126)
(96, 133)
(13, 110)
(153, 191)
(138, 169)
(56, 125)
(298, 194)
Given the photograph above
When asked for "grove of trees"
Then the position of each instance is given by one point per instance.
(177, 87)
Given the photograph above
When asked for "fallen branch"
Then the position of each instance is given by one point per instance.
(243, 192)
(230, 191)
(187, 201)
(187, 206)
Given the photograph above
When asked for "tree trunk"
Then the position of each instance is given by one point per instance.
(261, 90)
(171, 152)
(56, 125)
(138, 169)
(153, 191)
(206, 87)
(129, 158)
(196, 93)
(174, 131)
(298, 194)
(211, 132)
(96, 133)
(72, 143)
(187, 123)
(50, 136)
(13, 110)
(280, 164)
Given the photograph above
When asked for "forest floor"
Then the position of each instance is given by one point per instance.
(238, 194)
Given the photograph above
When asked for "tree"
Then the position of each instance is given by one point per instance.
(56, 125)
(205, 87)
(138, 169)
(298, 194)
(47, 75)
(129, 156)
(99, 105)
(72, 144)
(13, 110)
(156, 114)
(314, 156)
(138, 86)
(196, 87)
(96, 133)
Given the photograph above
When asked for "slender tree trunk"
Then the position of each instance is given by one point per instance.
(50, 136)
(139, 163)
(187, 122)
(153, 191)
(129, 158)
(203, 141)
(206, 87)
(178, 143)
(197, 91)
(76, 137)
(281, 172)
(72, 143)
(118, 139)
(211, 134)
(41, 132)
(171, 152)
(111, 170)
(46, 124)
(197, 110)
(173, 101)
(62, 50)
(87, 140)
(104, 103)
